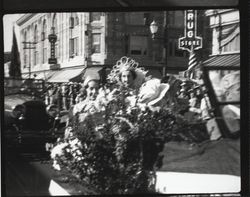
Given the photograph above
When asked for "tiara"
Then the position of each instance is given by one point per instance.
(126, 63)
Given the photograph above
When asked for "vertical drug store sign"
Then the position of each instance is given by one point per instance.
(190, 41)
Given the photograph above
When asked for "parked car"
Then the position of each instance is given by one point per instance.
(26, 120)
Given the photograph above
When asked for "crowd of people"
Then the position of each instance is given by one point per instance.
(64, 95)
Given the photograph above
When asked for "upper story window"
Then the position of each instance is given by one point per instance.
(96, 43)
(35, 34)
(44, 31)
(135, 18)
(35, 42)
(95, 16)
(176, 18)
(44, 46)
(138, 45)
(73, 21)
(73, 47)
(24, 51)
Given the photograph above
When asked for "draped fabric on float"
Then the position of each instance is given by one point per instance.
(15, 64)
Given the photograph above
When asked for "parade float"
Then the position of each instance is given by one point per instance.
(116, 147)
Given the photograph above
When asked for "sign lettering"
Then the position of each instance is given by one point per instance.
(190, 41)
(52, 40)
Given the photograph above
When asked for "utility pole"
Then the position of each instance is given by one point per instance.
(29, 47)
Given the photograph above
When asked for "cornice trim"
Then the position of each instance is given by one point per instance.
(24, 19)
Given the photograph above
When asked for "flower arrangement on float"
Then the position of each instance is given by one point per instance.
(116, 146)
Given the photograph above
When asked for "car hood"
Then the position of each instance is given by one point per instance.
(16, 99)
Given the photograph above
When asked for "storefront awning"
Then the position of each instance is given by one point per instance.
(231, 60)
(67, 75)
(45, 75)
(25, 76)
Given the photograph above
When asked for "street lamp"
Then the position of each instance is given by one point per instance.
(154, 29)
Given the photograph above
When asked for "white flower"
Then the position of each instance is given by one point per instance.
(78, 152)
(68, 132)
(153, 91)
(142, 106)
(58, 150)
(131, 100)
(79, 107)
(79, 158)
(56, 165)
(48, 146)
(74, 154)
(75, 143)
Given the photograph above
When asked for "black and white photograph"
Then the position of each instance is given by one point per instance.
(122, 102)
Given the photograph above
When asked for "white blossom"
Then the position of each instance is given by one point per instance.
(75, 143)
(68, 132)
(58, 150)
(56, 166)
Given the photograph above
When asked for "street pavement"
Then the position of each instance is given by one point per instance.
(26, 174)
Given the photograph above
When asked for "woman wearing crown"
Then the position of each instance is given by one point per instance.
(126, 73)
(144, 90)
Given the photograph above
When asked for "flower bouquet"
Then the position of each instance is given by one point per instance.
(116, 148)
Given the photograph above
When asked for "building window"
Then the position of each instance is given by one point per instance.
(44, 45)
(73, 21)
(24, 51)
(76, 21)
(73, 47)
(25, 60)
(147, 19)
(95, 16)
(96, 43)
(176, 18)
(138, 45)
(44, 59)
(35, 57)
(42, 36)
(135, 18)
